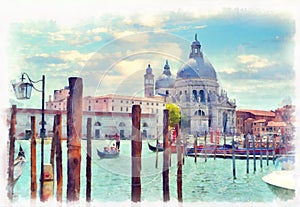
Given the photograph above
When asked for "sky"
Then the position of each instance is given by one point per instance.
(252, 47)
(251, 44)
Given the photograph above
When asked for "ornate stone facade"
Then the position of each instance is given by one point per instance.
(204, 106)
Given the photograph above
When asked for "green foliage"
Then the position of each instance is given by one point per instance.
(174, 114)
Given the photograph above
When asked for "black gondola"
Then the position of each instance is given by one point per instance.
(108, 155)
(19, 165)
(152, 148)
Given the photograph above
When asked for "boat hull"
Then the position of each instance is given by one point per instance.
(107, 155)
(161, 149)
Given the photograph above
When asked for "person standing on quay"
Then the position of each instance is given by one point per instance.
(117, 137)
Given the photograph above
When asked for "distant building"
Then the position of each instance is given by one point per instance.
(60, 100)
(260, 122)
(253, 121)
(204, 106)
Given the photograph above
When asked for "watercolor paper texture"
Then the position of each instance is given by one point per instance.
(251, 45)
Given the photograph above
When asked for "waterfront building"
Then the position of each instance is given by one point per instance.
(253, 121)
(59, 101)
(260, 122)
(204, 106)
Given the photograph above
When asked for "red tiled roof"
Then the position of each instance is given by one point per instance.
(258, 112)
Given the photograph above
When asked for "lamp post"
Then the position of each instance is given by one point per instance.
(23, 91)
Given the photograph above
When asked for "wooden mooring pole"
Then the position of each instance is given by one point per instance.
(267, 150)
(224, 144)
(179, 164)
(233, 158)
(166, 155)
(156, 152)
(136, 152)
(74, 124)
(89, 159)
(260, 153)
(58, 155)
(205, 157)
(195, 149)
(248, 136)
(52, 151)
(33, 185)
(12, 132)
(273, 151)
(254, 154)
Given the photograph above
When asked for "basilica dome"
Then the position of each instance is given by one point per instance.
(165, 80)
(197, 66)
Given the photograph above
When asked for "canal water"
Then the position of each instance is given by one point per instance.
(210, 181)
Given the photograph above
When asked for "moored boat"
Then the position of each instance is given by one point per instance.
(173, 148)
(282, 181)
(239, 152)
(153, 148)
(108, 154)
(19, 164)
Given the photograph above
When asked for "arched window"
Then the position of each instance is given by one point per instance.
(122, 124)
(97, 123)
(145, 124)
(199, 113)
(195, 96)
(202, 96)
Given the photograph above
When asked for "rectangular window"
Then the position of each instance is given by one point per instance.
(112, 108)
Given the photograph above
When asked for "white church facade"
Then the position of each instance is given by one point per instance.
(195, 89)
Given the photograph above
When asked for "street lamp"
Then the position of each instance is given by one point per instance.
(23, 91)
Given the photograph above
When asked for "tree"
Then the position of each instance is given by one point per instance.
(174, 114)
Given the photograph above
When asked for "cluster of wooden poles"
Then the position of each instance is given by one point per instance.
(248, 137)
(74, 125)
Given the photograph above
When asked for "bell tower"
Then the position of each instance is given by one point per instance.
(148, 83)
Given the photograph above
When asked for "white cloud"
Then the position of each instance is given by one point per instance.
(127, 67)
(150, 20)
(97, 30)
(227, 70)
(254, 62)
(75, 56)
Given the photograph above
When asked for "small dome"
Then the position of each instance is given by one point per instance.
(165, 80)
(149, 69)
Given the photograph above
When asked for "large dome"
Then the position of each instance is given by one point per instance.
(197, 66)
(166, 79)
